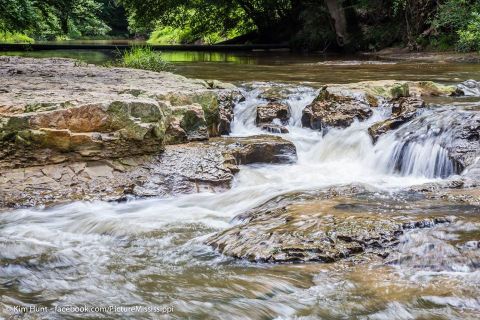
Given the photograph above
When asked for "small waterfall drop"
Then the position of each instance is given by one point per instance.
(420, 146)
(418, 149)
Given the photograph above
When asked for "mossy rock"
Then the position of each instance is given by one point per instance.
(429, 88)
(400, 90)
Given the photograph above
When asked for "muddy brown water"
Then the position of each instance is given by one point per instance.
(150, 253)
(288, 67)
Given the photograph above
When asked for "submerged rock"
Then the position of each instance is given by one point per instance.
(333, 110)
(403, 110)
(186, 168)
(273, 128)
(273, 92)
(313, 231)
(385, 90)
(469, 88)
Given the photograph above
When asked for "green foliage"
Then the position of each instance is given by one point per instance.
(452, 15)
(143, 58)
(14, 37)
(398, 6)
(305, 24)
(197, 19)
(469, 37)
(17, 15)
(48, 19)
(457, 24)
(171, 35)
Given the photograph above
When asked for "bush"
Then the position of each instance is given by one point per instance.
(9, 37)
(469, 38)
(143, 58)
(171, 35)
(457, 24)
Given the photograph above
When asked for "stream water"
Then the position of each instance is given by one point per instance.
(151, 252)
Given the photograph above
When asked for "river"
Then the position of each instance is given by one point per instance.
(151, 252)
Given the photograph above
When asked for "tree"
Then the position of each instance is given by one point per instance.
(274, 20)
(17, 15)
(80, 14)
(59, 17)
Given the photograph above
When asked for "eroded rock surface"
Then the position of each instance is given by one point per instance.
(315, 229)
(271, 111)
(333, 110)
(180, 169)
(57, 110)
(403, 110)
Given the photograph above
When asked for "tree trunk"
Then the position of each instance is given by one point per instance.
(64, 24)
(337, 14)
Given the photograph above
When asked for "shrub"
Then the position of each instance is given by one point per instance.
(469, 38)
(143, 58)
(171, 35)
(457, 23)
(9, 37)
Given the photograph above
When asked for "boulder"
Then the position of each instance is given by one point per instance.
(333, 110)
(312, 229)
(403, 110)
(271, 111)
(227, 101)
(260, 149)
(469, 88)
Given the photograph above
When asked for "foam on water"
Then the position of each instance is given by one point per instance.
(148, 251)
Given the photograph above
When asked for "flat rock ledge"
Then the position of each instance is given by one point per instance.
(59, 110)
(73, 131)
(180, 169)
(314, 229)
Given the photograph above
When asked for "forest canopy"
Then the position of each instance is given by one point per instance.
(305, 24)
(54, 19)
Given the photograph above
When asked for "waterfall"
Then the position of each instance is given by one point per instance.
(416, 149)
(420, 146)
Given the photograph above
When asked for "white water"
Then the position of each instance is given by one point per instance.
(138, 252)
(341, 156)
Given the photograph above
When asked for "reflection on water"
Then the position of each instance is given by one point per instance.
(286, 67)
(151, 252)
(95, 57)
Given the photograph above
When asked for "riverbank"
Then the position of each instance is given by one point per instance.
(403, 54)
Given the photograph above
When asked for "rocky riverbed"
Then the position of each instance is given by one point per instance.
(71, 131)
(176, 178)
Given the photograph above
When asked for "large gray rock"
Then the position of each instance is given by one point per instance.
(456, 131)
(403, 110)
(334, 110)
